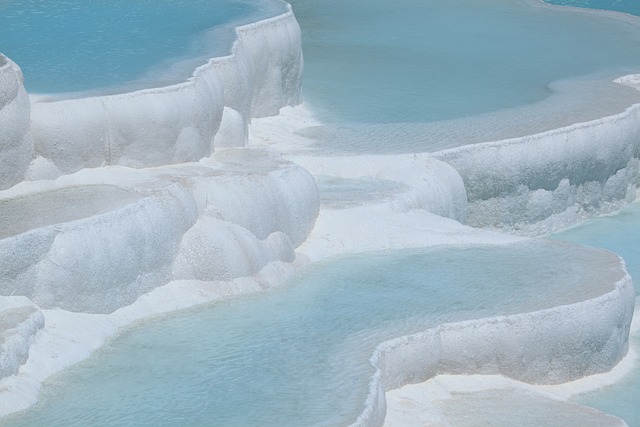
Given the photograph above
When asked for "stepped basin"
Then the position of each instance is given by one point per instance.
(408, 77)
(179, 113)
(36, 210)
(300, 354)
(97, 247)
(87, 247)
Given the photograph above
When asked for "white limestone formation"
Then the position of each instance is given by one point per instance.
(20, 320)
(16, 147)
(177, 123)
(99, 246)
(571, 341)
(544, 182)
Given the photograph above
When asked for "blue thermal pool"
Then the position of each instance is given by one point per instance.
(299, 355)
(393, 82)
(76, 45)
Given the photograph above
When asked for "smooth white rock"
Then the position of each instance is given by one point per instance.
(16, 146)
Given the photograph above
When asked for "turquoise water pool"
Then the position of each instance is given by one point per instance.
(385, 76)
(76, 45)
(432, 60)
(300, 355)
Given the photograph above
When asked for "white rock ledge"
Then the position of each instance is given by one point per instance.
(16, 147)
(176, 123)
(544, 182)
(571, 341)
(109, 235)
(20, 320)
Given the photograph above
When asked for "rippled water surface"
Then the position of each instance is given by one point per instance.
(388, 75)
(375, 73)
(299, 355)
(79, 45)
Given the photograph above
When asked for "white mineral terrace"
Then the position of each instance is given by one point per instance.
(121, 207)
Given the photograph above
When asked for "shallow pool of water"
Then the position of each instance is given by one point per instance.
(299, 355)
(409, 67)
(23, 213)
(76, 45)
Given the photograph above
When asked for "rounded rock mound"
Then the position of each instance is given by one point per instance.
(16, 147)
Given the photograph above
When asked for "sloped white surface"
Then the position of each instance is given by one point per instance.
(119, 240)
(20, 320)
(16, 147)
(543, 182)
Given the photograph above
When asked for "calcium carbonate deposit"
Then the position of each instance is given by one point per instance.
(195, 245)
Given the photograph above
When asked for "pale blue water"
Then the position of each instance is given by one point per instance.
(298, 356)
(402, 62)
(431, 60)
(265, 360)
(79, 45)
(619, 233)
